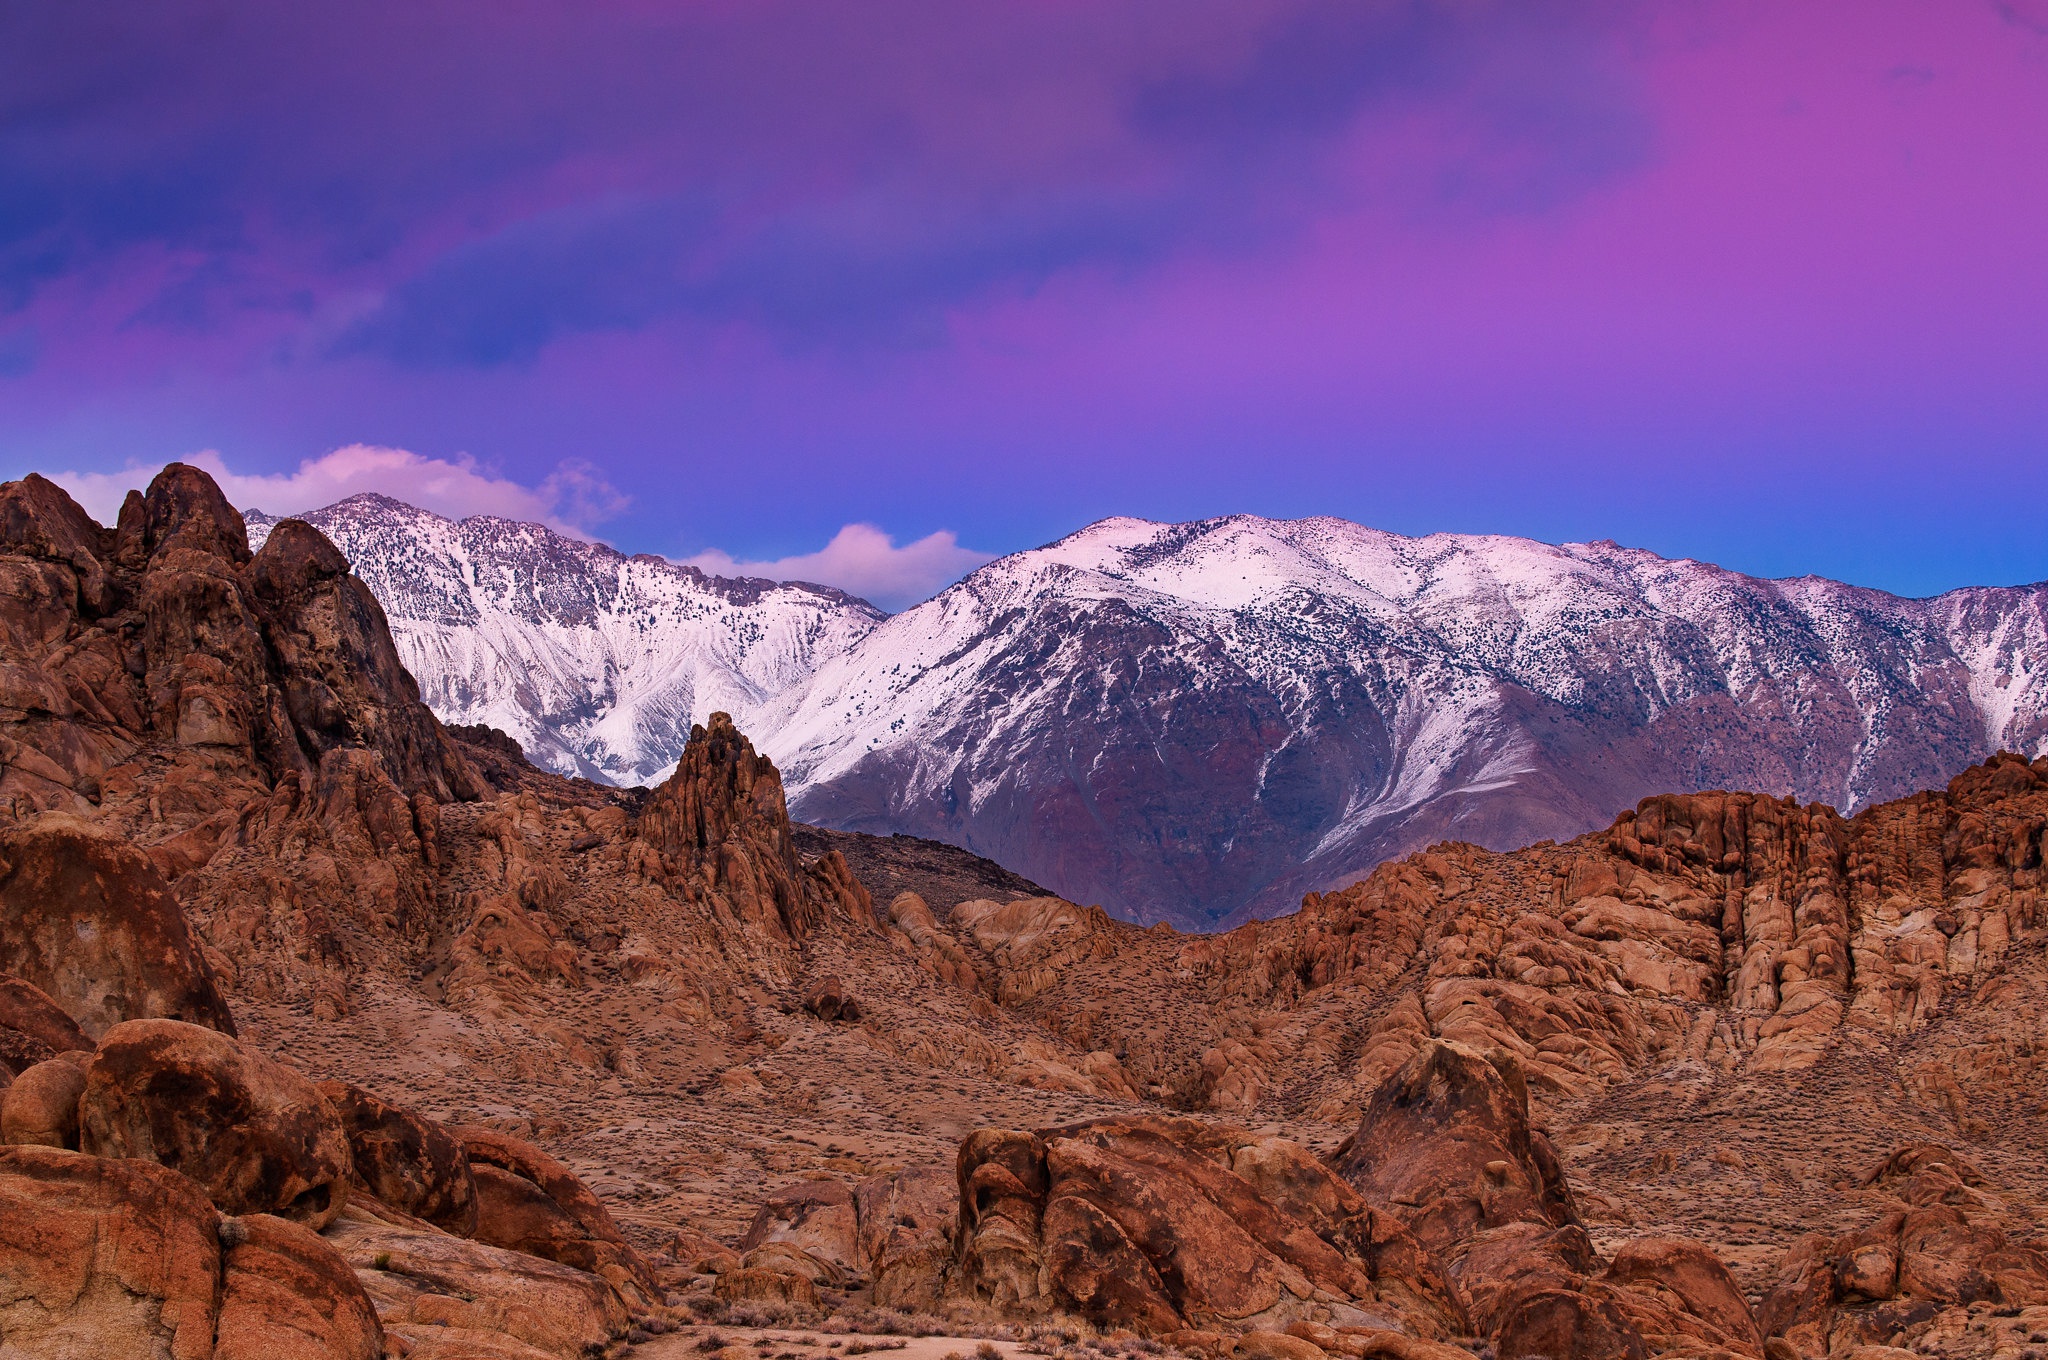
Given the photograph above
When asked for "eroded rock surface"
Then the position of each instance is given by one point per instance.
(1160, 1225)
(258, 1136)
(105, 1259)
(409, 1162)
(1447, 1145)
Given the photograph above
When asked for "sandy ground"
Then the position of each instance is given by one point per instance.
(785, 1343)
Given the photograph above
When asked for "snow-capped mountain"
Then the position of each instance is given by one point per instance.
(1200, 722)
(596, 662)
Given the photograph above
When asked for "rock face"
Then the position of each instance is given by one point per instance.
(906, 1221)
(1446, 1145)
(1731, 930)
(86, 919)
(1916, 1269)
(810, 1229)
(529, 1202)
(432, 1288)
(41, 1108)
(722, 827)
(105, 1259)
(258, 1136)
(33, 1028)
(412, 1164)
(1448, 1138)
(288, 1295)
(1164, 1225)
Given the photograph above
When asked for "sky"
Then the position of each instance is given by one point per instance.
(868, 292)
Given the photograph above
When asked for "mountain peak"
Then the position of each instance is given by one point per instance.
(1199, 722)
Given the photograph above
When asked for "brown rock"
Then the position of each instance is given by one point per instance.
(830, 999)
(1904, 1268)
(811, 1228)
(1563, 1324)
(1696, 1276)
(258, 1136)
(1276, 1346)
(721, 825)
(527, 1201)
(1446, 1142)
(1143, 1223)
(432, 1287)
(29, 1011)
(105, 1259)
(86, 918)
(287, 1295)
(906, 1222)
(406, 1160)
(749, 1285)
(342, 681)
(41, 1107)
(38, 519)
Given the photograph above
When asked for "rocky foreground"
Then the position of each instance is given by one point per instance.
(331, 1032)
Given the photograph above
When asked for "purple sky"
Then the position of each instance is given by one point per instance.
(1760, 283)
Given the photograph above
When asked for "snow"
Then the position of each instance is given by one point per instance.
(600, 663)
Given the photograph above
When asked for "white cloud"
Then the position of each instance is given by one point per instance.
(864, 561)
(572, 498)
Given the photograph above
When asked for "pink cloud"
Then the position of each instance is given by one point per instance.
(863, 560)
(572, 498)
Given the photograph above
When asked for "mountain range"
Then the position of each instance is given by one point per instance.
(333, 1032)
(1198, 723)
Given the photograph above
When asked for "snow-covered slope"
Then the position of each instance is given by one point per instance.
(1199, 722)
(596, 662)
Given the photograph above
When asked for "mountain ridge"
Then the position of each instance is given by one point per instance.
(595, 660)
(1200, 722)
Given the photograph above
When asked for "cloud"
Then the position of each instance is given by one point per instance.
(863, 560)
(500, 179)
(572, 498)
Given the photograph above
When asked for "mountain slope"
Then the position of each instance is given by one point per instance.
(1199, 722)
(596, 662)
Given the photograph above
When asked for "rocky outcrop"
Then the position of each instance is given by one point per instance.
(256, 1135)
(432, 1288)
(1448, 1140)
(722, 829)
(1164, 1225)
(1913, 1273)
(86, 919)
(1447, 1147)
(286, 1294)
(40, 1109)
(810, 1229)
(33, 1026)
(831, 1000)
(105, 1258)
(527, 1201)
(1728, 929)
(411, 1163)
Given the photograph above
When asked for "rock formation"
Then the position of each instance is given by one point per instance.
(1924, 1270)
(256, 1135)
(1168, 1225)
